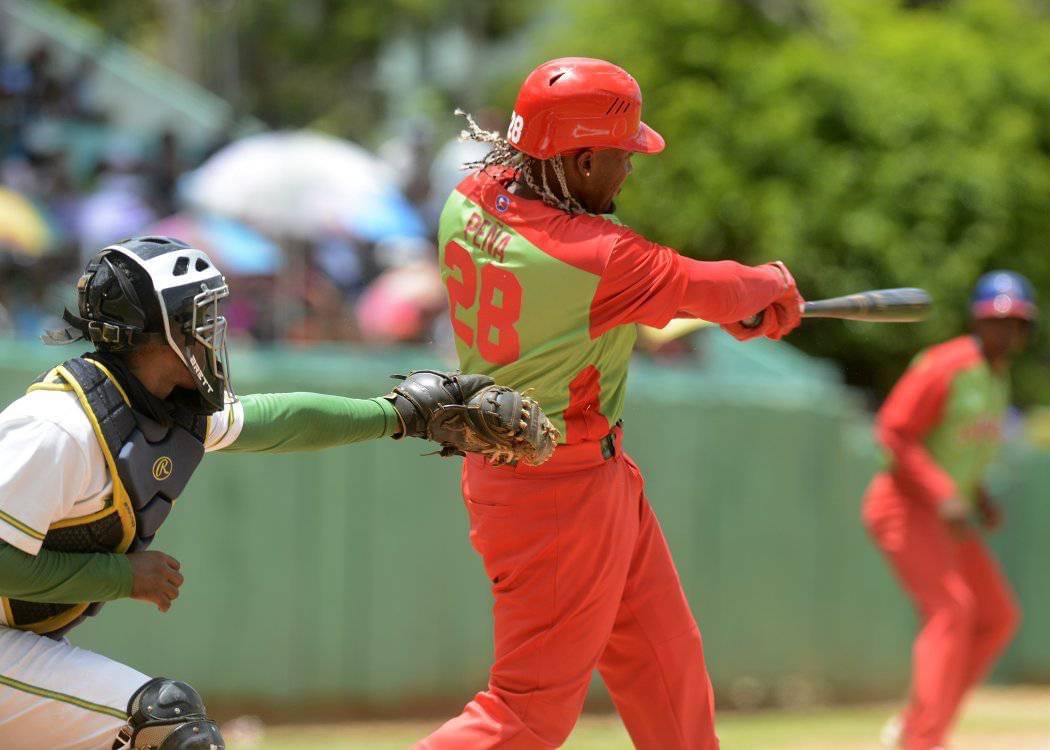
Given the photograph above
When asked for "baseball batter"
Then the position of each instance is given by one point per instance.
(95, 454)
(544, 287)
(941, 426)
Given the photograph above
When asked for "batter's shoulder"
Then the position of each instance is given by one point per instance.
(584, 241)
(605, 229)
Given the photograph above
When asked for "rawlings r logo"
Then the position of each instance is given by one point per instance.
(162, 468)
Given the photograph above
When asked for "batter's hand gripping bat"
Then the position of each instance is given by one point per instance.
(904, 305)
(881, 306)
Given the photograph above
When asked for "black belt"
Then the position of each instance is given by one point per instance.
(607, 443)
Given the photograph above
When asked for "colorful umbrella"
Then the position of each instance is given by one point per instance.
(24, 228)
(384, 217)
(303, 185)
(236, 249)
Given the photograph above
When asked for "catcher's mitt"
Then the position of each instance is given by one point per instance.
(470, 414)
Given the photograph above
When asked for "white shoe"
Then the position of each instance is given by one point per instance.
(892, 732)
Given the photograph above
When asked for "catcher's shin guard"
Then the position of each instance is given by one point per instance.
(165, 714)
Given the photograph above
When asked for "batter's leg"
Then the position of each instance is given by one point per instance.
(924, 556)
(654, 662)
(557, 551)
(998, 613)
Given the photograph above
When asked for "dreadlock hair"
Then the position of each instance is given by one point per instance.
(526, 167)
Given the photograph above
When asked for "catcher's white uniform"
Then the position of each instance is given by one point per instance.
(54, 696)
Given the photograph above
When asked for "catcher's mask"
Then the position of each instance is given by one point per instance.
(151, 290)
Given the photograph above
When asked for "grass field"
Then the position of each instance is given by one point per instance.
(1016, 718)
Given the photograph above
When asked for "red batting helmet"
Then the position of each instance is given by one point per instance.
(579, 102)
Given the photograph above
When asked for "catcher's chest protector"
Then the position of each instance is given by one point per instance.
(149, 466)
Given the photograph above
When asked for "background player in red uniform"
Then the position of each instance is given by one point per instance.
(942, 425)
(545, 287)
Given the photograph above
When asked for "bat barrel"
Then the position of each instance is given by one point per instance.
(905, 305)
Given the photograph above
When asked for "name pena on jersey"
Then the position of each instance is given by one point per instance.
(490, 237)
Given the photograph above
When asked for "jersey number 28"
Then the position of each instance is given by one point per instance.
(498, 302)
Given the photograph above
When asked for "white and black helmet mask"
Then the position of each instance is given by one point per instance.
(187, 288)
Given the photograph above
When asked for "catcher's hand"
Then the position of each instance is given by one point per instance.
(470, 414)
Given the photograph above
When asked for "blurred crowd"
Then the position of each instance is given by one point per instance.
(68, 183)
(71, 183)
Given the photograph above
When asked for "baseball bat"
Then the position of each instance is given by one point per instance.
(903, 305)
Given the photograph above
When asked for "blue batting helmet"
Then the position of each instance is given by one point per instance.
(1003, 294)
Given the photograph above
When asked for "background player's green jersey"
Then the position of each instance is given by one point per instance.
(968, 437)
(943, 421)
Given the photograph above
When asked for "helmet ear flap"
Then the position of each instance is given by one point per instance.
(134, 313)
(111, 309)
(111, 294)
(84, 284)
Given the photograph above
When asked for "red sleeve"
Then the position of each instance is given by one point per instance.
(914, 407)
(727, 292)
(647, 283)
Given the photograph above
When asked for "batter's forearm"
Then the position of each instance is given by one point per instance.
(287, 422)
(727, 292)
(63, 577)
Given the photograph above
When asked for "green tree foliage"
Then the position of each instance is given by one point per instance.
(865, 144)
(293, 64)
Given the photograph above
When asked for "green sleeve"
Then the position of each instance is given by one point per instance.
(63, 577)
(286, 422)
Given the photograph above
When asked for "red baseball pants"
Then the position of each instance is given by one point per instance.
(582, 579)
(967, 609)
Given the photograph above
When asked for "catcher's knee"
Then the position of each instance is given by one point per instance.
(167, 714)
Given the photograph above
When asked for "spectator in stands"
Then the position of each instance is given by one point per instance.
(164, 172)
(51, 128)
(119, 205)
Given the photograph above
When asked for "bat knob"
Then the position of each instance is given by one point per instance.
(754, 321)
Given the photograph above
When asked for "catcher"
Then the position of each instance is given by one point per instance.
(99, 448)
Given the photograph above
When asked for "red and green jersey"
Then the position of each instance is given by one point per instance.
(942, 423)
(542, 300)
